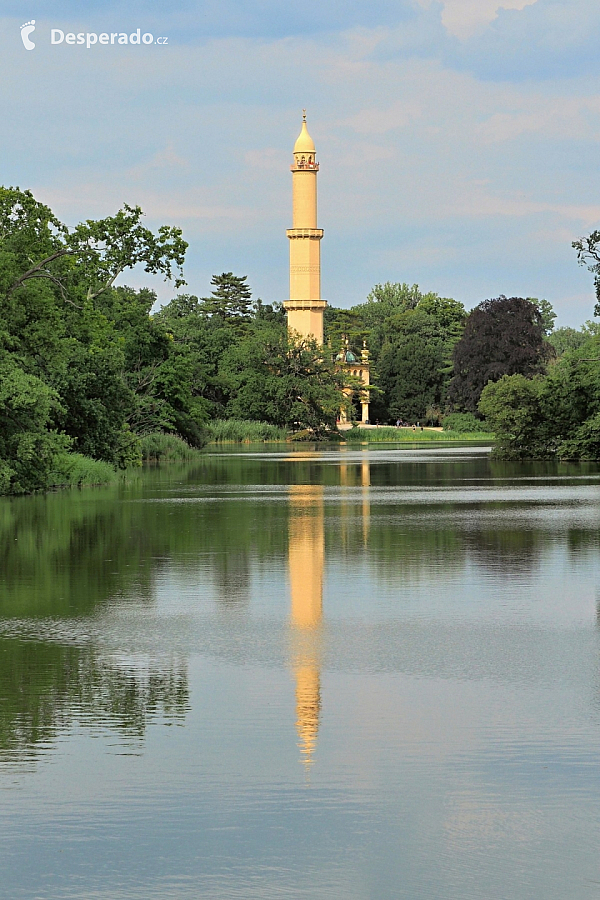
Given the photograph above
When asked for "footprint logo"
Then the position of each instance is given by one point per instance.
(26, 30)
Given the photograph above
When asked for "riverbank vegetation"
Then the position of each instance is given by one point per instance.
(240, 431)
(75, 470)
(90, 374)
(390, 434)
(162, 447)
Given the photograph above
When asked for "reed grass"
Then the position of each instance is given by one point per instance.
(401, 435)
(239, 431)
(161, 447)
(74, 469)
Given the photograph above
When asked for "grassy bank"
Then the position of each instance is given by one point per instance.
(391, 434)
(238, 431)
(74, 469)
(160, 447)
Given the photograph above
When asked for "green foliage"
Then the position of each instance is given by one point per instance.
(161, 447)
(546, 312)
(274, 379)
(239, 431)
(198, 343)
(105, 248)
(565, 339)
(585, 442)
(551, 415)
(464, 422)
(74, 470)
(512, 407)
(270, 312)
(411, 336)
(411, 365)
(27, 445)
(95, 399)
(102, 369)
(86, 261)
(394, 296)
(129, 449)
(344, 325)
(231, 299)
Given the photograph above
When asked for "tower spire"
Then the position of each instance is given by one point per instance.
(305, 306)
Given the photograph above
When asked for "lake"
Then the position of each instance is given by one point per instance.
(307, 673)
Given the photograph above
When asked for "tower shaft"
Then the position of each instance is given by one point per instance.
(305, 306)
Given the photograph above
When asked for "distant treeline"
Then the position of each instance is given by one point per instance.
(87, 369)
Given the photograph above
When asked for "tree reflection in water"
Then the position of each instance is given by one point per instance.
(47, 687)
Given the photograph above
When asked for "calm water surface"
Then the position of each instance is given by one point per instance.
(297, 674)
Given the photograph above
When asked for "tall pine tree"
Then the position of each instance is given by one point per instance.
(231, 297)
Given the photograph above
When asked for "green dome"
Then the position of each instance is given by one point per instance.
(346, 356)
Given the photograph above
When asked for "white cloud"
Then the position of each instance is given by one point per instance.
(464, 18)
(573, 117)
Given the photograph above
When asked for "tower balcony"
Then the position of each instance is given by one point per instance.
(302, 165)
(314, 234)
(304, 304)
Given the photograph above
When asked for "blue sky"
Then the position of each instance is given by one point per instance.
(458, 139)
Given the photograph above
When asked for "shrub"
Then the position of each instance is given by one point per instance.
(464, 422)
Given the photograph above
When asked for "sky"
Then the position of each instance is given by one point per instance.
(457, 139)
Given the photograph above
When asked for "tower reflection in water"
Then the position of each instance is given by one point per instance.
(306, 568)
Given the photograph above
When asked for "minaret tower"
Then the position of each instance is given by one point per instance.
(305, 307)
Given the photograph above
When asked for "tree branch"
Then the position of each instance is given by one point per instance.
(31, 273)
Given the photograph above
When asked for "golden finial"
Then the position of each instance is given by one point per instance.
(304, 115)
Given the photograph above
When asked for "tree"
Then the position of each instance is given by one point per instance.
(344, 325)
(411, 364)
(274, 379)
(503, 336)
(64, 322)
(588, 254)
(28, 446)
(231, 299)
(394, 296)
(270, 312)
(557, 414)
(565, 339)
(202, 341)
(513, 410)
(547, 313)
(411, 336)
(93, 254)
